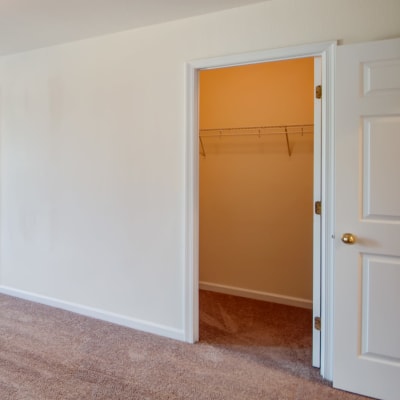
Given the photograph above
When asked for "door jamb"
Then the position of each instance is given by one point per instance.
(326, 51)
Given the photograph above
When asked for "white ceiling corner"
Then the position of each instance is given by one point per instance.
(30, 24)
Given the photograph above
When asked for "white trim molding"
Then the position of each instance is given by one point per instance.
(102, 315)
(257, 295)
(326, 51)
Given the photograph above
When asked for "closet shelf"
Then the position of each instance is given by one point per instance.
(255, 131)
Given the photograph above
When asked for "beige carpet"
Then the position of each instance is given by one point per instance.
(248, 350)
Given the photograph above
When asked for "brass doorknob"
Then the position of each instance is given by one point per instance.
(348, 238)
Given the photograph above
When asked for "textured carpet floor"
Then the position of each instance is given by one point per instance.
(248, 350)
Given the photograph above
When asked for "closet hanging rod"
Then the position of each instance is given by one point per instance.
(255, 131)
(258, 130)
(256, 134)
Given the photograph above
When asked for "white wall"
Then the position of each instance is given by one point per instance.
(93, 150)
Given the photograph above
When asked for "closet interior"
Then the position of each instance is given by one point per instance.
(256, 179)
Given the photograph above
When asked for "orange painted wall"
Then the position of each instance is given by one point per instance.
(256, 203)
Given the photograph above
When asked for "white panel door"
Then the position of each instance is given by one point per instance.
(367, 272)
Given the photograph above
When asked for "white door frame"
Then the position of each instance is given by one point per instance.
(326, 51)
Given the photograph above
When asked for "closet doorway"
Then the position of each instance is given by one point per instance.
(257, 181)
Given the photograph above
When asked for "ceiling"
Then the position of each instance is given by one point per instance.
(29, 24)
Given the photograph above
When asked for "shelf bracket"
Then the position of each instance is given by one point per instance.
(203, 150)
(287, 142)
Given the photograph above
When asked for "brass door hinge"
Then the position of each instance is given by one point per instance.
(317, 323)
(318, 207)
(318, 91)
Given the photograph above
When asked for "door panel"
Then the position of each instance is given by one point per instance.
(381, 76)
(380, 274)
(367, 166)
(381, 142)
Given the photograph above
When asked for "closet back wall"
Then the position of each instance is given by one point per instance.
(256, 201)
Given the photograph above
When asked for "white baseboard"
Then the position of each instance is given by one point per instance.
(257, 295)
(118, 319)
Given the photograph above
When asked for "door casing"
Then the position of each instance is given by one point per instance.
(326, 51)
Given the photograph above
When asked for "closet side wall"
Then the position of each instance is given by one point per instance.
(256, 201)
